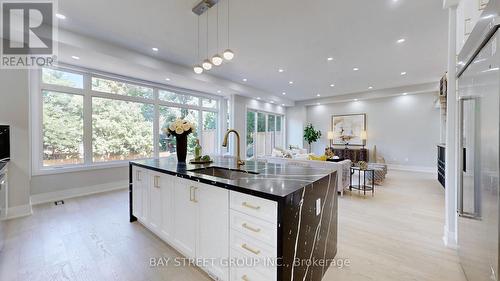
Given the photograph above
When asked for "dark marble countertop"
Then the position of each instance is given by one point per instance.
(273, 181)
(3, 164)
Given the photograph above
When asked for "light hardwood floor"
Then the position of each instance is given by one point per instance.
(395, 235)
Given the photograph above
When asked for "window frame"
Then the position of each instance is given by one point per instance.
(256, 124)
(36, 111)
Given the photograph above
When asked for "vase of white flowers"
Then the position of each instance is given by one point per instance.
(180, 129)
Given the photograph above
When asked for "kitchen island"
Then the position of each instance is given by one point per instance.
(260, 221)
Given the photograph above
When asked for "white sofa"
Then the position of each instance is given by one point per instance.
(342, 168)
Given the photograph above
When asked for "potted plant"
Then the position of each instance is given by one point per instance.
(180, 129)
(311, 135)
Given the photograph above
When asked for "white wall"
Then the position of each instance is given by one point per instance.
(14, 105)
(404, 128)
(296, 122)
(74, 180)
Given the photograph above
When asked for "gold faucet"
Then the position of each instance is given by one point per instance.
(224, 144)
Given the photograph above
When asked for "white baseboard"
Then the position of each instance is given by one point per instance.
(449, 238)
(421, 169)
(19, 211)
(76, 192)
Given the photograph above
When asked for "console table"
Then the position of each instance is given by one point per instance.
(355, 155)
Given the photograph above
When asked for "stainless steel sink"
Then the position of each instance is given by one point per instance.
(224, 173)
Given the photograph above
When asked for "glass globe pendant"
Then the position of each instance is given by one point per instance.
(228, 54)
(207, 65)
(217, 60)
(198, 69)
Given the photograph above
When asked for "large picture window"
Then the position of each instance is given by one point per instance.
(121, 130)
(83, 118)
(62, 129)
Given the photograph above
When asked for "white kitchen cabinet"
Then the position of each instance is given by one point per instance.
(144, 181)
(155, 201)
(213, 228)
(166, 194)
(139, 178)
(184, 217)
(207, 222)
(201, 224)
(468, 14)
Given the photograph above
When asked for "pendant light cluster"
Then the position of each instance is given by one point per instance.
(217, 59)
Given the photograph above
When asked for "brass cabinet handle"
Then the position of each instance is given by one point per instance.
(256, 230)
(246, 204)
(245, 246)
(192, 194)
(157, 182)
(245, 278)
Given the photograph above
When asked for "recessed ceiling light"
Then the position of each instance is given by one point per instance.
(75, 57)
(403, 73)
(272, 101)
(370, 87)
(219, 91)
(318, 95)
(284, 93)
(61, 16)
(404, 94)
(355, 69)
(154, 49)
(282, 104)
(290, 82)
(402, 40)
(332, 85)
(258, 98)
(168, 79)
(244, 80)
(329, 59)
(318, 103)
(355, 99)
(280, 70)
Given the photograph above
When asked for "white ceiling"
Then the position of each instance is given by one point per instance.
(297, 36)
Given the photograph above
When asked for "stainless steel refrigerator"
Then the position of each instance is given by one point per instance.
(479, 115)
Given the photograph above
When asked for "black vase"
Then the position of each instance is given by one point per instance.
(181, 141)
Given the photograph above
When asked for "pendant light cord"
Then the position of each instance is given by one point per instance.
(198, 41)
(228, 24)
(207, 34)
(217, 51)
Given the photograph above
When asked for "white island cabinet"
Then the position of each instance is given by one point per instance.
(190, 216)
(240, 225)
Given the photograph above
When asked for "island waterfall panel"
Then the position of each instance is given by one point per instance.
(310, 235)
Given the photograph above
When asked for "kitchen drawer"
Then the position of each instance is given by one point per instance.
(256, 228)
(254, 206)
(245, 247)
(249, 274)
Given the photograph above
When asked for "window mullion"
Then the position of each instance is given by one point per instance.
(156, 126)
(255, 134)
(200, 129)
(87, 119)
